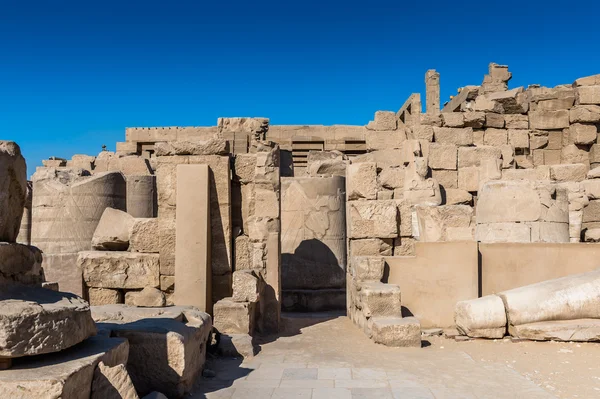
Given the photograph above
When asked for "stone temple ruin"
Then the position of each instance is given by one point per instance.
(119, 271)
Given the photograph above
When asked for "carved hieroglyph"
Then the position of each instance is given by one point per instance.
(313, 240)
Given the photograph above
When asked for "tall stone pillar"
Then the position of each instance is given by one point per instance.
(193, 275)
(25, 230)
(432, 91)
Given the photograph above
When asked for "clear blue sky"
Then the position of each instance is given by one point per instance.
(74, 74)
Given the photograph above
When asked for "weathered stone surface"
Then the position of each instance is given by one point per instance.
(384, 120)
(378, 299)
(215, 146)
(148, 297)
(455, 196)
(592, 235)
(368, 268)
(549, 120)
(585, 114)
(587, 81)
(468, 178)
(104, 296)
(567, 298)
(495, 137)
(68, 374)
(443, 156)
(434, 220)
(494, 120)
(453, 119)
(587, 94)
(460, 233)
(569, 172)
(594, 173)
(119, 269)
(580, 330)
(456, 136)
(35, 321)
(362, 181)
(481, 318)
(234, 317)
(396, 331)
(382, 140)
(582, 134)
(571, 154)
(508, 201)
(144, 236)
(472, 156)
(502, 232)
(13, 190)
(112, 383)
(372, 219)
(167, 346)
(371, 247)
(518, 138)
(448, 179)
(246, 286)
(113, 231)
(474, 119)
(20, 264)
(516, 121)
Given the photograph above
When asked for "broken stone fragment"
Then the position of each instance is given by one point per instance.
(112, 383)
(128, 270)
(397, 331)
(246, 286)
(113, 231)
(148, 297)
(13, 190)
(481, 318)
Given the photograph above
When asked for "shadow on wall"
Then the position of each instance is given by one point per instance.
(312, 266)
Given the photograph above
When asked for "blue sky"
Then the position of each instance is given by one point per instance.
(74, 74)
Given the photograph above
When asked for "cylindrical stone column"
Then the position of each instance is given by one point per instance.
(141, 196)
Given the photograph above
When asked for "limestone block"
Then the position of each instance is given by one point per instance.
(587, 81)
(587, 94)
(397, 332)
(104, 296)
(405, 212)
(391, 177)
(453, 119)
(502, 232)
(434, 221)
(246, 286)
(329, 167)
(484, 104)
(119, 269)
(508, 201)
(483, 317)
(516, 121)
(448, 179)
(36, 321)
(566, 298)
(549, 232)
(167, 346)
(266, 202)
(113, 231)
(144, 236)
(214, 146)
(585, 114)
(565, 102)
(254, 126)
(410, 150)
(591, 188)
(404, 246)
(141, 196)
(549, 120)
(494, 120)
(538, 140)
(478, 137)
(580, 330)
(382, 140)
(13, 190)
(594, 173)
(582, 134)
(508, 156)
(495, 137)
(237, 345)
(166, 240)
(371, 247)
(112, 383)
(591, 213)
(381, 157)
(518, 138)
(132, 166)
(68, 374)
(81, 161)
(167, 283)
(242, 253)
(234, 317)
(555, 140)
(474, 119)
(456, 196)
(522, 163)
(472, 156)
(362, 181)
(568, 172)
(148, 297)
(456, 136)
(443, 156)
(592, 235)
(20, 264)
(554, 157)
(510, 101)
(372, 219)
(384, 120)
(377, 299)
(368, 268)
(468, 178)
(460, 233)
(420, 132)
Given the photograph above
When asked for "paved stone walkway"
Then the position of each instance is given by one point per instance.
(334, 360)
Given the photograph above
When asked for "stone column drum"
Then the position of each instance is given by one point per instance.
(141, 196)
(67, 206)
(313, 242)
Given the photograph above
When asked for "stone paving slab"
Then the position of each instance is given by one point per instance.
(334, 359)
